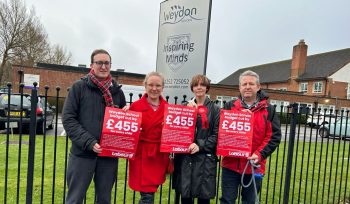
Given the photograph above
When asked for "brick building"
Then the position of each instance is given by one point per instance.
(322, 78)
(63, 76)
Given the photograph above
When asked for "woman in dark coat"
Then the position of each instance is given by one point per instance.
(195, 172)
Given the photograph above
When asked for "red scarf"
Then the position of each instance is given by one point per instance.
(103, 86)
(203, 111)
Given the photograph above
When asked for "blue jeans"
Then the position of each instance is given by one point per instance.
(231, 181)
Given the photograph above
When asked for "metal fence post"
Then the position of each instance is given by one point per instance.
(31, 152)
(9, 85)
(293, 125)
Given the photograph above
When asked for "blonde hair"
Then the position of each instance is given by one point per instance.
(153, 74)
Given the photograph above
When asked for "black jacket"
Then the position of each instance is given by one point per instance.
(195, 174)
(83, 114)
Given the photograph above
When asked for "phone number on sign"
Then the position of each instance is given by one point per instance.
(177, 81)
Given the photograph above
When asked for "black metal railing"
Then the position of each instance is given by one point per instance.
(311, 165)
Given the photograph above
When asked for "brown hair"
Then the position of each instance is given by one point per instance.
(99, 51)
(200, 79)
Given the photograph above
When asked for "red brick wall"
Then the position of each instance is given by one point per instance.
(338, 89)
(63, 79)
(51, 78)
(130, 80)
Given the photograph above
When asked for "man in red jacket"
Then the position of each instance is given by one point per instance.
(266, 138)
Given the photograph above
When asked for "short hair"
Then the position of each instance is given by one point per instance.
(249, 73)
(153, 74)
(200, 79)
(99, 51)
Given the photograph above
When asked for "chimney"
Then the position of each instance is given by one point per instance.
(299, 59)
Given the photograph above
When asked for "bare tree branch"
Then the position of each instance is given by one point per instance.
(23, 39)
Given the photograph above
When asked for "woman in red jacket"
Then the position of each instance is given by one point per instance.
(147, 171)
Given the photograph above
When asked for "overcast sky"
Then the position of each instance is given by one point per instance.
(243, 33)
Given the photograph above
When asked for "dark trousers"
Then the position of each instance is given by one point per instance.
(191, 201)
(230, 182)
(80, 172)
(146, 198)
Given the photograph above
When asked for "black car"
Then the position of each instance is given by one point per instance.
(15, 113)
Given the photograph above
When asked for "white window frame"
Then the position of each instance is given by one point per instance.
(279, 104)
(323, 106)
(309, 105)
(345, 109)
(303, 87)
(348, 92)
(221, 101)
(317, 87)
(283, 89)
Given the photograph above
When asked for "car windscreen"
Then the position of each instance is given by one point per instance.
(15, 100)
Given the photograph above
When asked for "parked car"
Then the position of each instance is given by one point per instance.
(319, 119)
(50, 113)
(15, 113)
(340, 128)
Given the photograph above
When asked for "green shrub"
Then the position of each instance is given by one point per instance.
(285, 118)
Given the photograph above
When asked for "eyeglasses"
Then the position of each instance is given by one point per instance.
(100, 63)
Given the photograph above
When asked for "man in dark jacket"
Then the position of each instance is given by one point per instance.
(83, 115)
(266, 138)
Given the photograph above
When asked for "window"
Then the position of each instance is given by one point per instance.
(281, 106)
(221, 99)
(348, 95)
(344, 109)
(304, 107)
(325, 108)
(303, 87)
(283, 89)
(317, 87)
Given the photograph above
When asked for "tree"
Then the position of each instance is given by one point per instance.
(59, 55)
(23, 39)
(36, 46)
(14, 20)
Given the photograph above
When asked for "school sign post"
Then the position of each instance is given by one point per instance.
(183, 37)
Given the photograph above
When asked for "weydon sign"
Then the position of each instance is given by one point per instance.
(182, 43)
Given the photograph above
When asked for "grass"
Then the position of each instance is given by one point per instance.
(320, 172)
(320, 178)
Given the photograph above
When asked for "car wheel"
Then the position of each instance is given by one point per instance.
(323, 132)
(50, 127)
(2, 125)
(40, 128)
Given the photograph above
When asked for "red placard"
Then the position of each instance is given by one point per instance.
(120, 133)
(235, 133)
(178, 129)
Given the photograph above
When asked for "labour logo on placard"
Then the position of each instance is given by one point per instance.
(177, 50)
